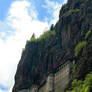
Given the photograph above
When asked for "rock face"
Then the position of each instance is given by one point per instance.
(41, 57)
(54, 80)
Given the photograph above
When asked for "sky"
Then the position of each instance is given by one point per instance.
(19, 19)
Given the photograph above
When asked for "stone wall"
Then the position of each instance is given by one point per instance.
(42, 89)
(54, 82)
(59, 79)
(62, 76)
(50, 83)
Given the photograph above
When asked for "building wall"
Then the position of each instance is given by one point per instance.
(55, 82)
(42, 89)
(62, 76)
(50, 83)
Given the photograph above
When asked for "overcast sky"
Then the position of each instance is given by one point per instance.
(19, 19)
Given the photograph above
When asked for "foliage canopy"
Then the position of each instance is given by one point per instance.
(82, 86)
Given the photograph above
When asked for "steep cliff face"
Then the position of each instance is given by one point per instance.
(43, 56)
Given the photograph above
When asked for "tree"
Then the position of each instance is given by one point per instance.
(52, 27)
(33, 38)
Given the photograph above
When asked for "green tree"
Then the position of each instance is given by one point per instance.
(33, 38)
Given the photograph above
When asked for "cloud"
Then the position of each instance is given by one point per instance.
(22, 18)
(53, 8)
(5, 30)
(65, 1)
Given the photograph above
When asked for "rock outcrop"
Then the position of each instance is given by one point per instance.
(42, 56)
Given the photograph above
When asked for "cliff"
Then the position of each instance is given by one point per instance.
(56, 46)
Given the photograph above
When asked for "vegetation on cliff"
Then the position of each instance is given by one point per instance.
(82, 86)
(79, 46)
(82, 44)
(88, 34)
(73, 11)
(46, 36)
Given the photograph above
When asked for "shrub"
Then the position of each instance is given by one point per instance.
(74, 68)
(70, 12)
(87, 34)
(74, 83)
(76, 10)
(87, 89)
(44, 36)
(79, 46)
(33, 38)
(88, 79)
(47, 35)
(82, 86)
(73, 11)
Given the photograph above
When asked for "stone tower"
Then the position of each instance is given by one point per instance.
(34, 88)
(50, 83)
